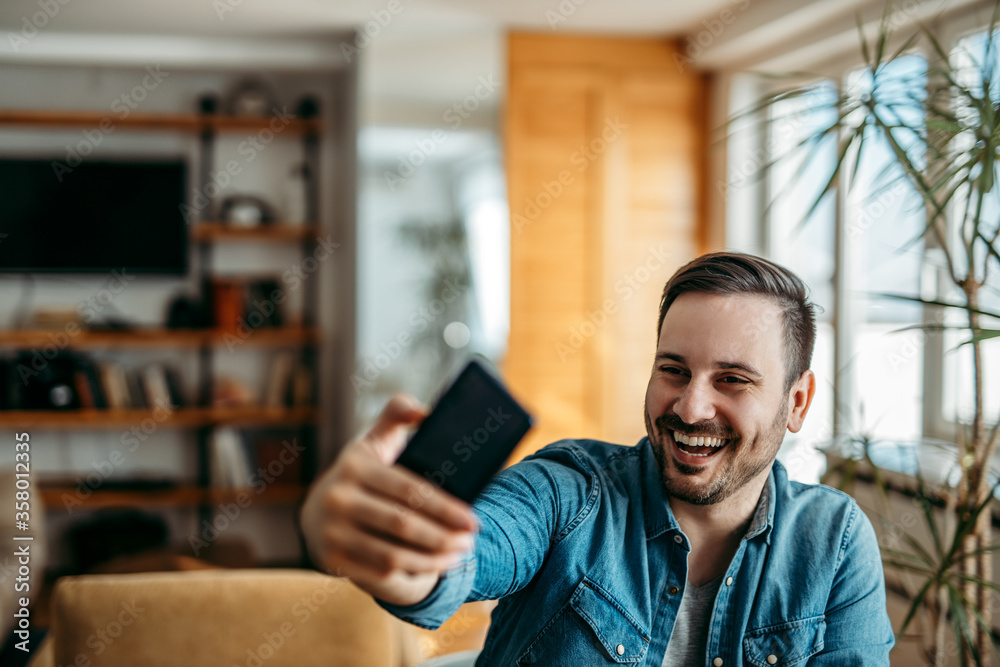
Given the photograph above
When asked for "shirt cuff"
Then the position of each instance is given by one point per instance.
(450, 593)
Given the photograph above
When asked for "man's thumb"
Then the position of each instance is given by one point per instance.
(387, 436)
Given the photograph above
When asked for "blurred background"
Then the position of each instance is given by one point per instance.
(279, 214)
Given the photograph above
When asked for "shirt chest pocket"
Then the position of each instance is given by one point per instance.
(591, 629)
(786, 644)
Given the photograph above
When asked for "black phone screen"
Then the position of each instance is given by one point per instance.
(471, 431)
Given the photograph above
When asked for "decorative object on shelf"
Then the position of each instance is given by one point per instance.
(269, 452)
(228, 303)
(308, 107)
(208, 104)
(188, 312)
(229, 392)
(261, 300)
(54, 317)
(246, 211)
(47, 384)
(251, 97)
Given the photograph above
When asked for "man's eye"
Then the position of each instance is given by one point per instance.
(671, 370)
(732, 379)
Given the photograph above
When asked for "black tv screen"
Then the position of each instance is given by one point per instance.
(93, 217)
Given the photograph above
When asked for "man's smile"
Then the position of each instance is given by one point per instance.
(698, 445)
(695, 450)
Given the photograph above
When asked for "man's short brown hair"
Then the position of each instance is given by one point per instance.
(736, 273)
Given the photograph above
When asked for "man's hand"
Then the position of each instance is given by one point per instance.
(390, 531)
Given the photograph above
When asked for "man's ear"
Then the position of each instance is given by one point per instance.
(799, 399)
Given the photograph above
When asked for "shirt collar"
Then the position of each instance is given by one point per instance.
(658, 517)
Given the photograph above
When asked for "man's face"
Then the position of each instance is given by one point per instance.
(719, 374)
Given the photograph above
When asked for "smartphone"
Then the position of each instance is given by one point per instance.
(468, 435)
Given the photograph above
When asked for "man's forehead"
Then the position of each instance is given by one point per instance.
(745, 328)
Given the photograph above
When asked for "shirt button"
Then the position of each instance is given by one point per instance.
(717, 662)
(772, 659)
(673, 590)
(678, 539)
(729, 582)
(620, 650)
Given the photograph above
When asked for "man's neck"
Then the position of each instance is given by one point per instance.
(715, 530)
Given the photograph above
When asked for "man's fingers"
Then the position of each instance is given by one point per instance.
(383, 556)
(401, 486)
(398, 521)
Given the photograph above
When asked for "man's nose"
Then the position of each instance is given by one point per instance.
(695, 402)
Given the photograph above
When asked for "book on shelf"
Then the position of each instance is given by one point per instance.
(136, 392)
(228, 468)
(302, 386)
(173, 380)
(89, 377)
(154, 381)
(279, 380)
(115, 385)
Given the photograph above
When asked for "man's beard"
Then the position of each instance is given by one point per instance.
(734, 473)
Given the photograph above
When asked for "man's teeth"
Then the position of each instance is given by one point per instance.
(698, 442)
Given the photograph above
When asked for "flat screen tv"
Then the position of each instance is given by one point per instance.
(98, 216)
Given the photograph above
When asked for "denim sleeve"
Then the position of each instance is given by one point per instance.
(858, 631)
(524, 511)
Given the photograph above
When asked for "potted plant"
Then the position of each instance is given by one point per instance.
(945, 142)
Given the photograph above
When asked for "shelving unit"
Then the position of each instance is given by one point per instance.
(84, 339)
(150, 121)
(181, 496)
(204, 236)
(197, 417)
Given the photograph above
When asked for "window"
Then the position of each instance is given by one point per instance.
(894, 383)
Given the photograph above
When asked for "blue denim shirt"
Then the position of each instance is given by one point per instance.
(579, 544)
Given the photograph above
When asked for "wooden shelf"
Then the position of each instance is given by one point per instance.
(155, 121)
(55, 497)
(278, 231)
(265, 336)
(179, 418)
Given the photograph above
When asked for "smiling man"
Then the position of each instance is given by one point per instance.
(690, 548)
